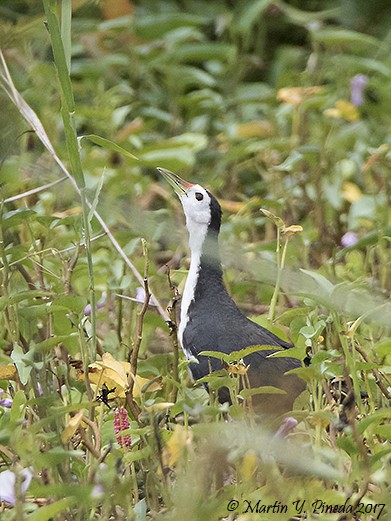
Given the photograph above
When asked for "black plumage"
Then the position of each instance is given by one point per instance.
(213, 322)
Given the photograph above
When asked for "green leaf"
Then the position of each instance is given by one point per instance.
(321, 281)
(94, 203)
(110, 145)
(292, 352)
(354, 40)
(265, 389)
(383, 348)
(200, 52)
(264, 321)
(49, 511)
(15, 217)
(17, 408)
(20, 297)
(383, 431)
(290, 162)
(250, 15)
(154, 26)
(23, 364)
(140, 510)
(49, 343)
(377, 417)
(235, 356)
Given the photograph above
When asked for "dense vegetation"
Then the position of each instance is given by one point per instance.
(279, 105)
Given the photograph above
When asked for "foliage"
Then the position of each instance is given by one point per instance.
(279, 105)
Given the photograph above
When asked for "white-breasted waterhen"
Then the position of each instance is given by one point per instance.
(210, 320)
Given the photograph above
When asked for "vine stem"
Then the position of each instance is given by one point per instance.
(280, 266)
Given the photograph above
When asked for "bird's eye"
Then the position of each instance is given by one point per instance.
(199, 196)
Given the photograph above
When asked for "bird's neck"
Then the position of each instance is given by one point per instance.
(205, 266)
(205, 256)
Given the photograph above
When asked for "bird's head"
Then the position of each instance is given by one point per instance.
(201, 208)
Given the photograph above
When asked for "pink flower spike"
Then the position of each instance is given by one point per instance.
(121, 423)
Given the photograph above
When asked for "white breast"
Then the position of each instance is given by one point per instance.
(197, 236)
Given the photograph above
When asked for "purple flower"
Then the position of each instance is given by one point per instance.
(349, 239)
(8, 482)
(97, 491)
(101, 304)
(357, 86)
(285, 428)
(140, 295)
(5, 402)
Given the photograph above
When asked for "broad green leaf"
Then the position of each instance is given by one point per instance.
(20, 297)
(15, 217)
(265, 389)
(22, 362)
(235, 356)
(325, 285)
(292, 352)
(49, 343)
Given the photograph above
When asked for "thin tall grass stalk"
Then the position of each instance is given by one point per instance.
(62, 63)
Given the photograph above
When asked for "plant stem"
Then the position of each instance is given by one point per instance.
(280, 266)
(61, 53)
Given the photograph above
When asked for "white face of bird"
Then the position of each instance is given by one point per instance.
(196, 204)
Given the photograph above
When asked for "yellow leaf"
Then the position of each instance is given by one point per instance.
(295, 95)
(7, 372)
(351, 192)
(294, 229)
(67, 213)
(71, 427)
(115, 375)
(239, 368)
(257, 128)
(180, 439)
(159, 406)
(343, 109)
(347, 110)
(141, 382)
(248, 465)
(332, 113)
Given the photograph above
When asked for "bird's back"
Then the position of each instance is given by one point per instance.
(216, 324)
